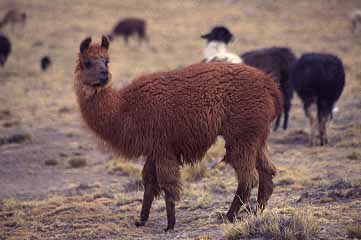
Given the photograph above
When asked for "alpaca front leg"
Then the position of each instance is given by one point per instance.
(148, 198)
(170, 207)
(151, 189)
(168, 177)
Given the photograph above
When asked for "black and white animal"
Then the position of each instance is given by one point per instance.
(129, 27)
(13, 17)
(276, 61)
(45, 62)
(216, 48)
(319, 80)
(5, 49)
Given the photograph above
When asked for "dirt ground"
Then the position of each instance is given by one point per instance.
(55, 183)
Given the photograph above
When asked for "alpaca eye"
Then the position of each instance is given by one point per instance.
(88, 64)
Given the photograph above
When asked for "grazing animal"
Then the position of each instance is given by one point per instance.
(355, 18)
(5, 49)
(173, 117)
(318, 79)
(13, 17)
(276, 61)
(216, 48)
(128, 27)
(45, 62)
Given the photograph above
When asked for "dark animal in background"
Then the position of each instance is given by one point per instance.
(173, 118)
(216, 48)
(276, 61)
(128, 27)
(318, 80)
(13, 17)
(45, 62)
(355, 18)
(5, 49)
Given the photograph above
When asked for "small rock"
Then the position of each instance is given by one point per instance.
(64, 110)
(16, 138)
(104, 195)
(51, 162)
(302, 197)
(10, 124)
(77, 162)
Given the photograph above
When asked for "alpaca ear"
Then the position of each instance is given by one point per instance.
(105, 42)
(85, 44)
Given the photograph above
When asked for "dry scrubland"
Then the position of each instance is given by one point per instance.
(56, 184)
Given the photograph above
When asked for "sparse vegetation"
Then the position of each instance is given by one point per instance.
(195, 172)
(102, 203)
(301, 224)
(124, 167)
(354, 231)
(354, 156)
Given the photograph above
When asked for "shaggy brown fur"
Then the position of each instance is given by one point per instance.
(173, 117)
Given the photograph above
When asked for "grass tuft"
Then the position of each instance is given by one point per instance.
(195, 172)
(299, 225)
(124, 167)
(77, 162)
(354, 231)
(354, 156)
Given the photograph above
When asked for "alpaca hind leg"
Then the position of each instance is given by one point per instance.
(286, 111)
(322, 128)
(243, 160)
(266, 171)
(151, 189)
(313, 123)
(168, 177)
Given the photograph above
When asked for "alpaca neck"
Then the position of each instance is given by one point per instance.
(101, 110)
(214, 48)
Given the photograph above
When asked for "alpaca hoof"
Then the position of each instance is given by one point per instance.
(169, 228)
(231, 217)
(139, 223)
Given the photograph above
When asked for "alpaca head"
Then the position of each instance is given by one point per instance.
(93, 63)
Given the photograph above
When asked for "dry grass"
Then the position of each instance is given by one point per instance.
(211, 159)
(124, 167)
(354, 231)
(195, 172)
(301, 224)
(44, 105)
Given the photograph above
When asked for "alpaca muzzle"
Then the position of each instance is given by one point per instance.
(102, 80)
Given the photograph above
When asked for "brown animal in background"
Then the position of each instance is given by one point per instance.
(128, 27)
(173, 117)
(13, 17)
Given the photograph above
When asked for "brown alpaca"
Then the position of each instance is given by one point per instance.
(173, 117)
(128, 27)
